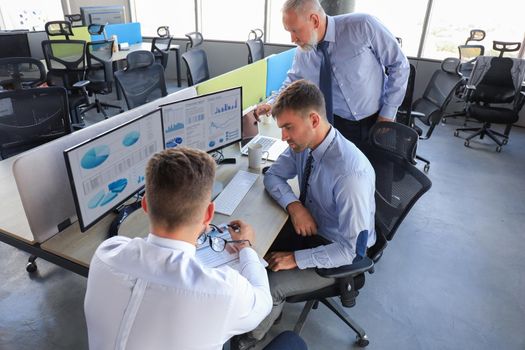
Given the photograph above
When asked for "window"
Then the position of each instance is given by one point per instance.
(403, 18)
(230, 19)
(452, 20)
(276, 32)
(178, 15)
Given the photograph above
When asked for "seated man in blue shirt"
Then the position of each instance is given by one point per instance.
(332, 221)
(347, 56)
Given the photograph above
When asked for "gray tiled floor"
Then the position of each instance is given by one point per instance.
(451, 279)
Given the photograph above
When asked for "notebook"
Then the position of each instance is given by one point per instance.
(250, 134)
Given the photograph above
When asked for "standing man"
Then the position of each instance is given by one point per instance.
(152, 293)
(346, 56)
(332, 221)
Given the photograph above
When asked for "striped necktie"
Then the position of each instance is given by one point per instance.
(306, 177)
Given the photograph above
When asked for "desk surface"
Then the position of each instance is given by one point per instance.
(121, 54)
(13, 220)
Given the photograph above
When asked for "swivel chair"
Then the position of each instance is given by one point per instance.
(393, 144)
(35, 116)
(143, 79)
(59, 28)
(21, 73)
(160, 46)
(195, 60)
(494, 96)
(255, 45)
(99, 74)
(432, 106)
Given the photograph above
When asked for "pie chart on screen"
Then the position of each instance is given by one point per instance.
(95, 156)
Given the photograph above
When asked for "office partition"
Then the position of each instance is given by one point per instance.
(278, 66)
(126, 33)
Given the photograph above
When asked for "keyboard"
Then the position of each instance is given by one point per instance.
(266, 143)
(234, 192)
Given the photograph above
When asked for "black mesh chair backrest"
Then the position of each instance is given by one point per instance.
(160, 47)
(65, 61)
(255, 45)
(391, 147)
(31, 117)
(497, 84)
(197, 66)
(405, 109)
(59, 28)
(143, 80)
(99, 64)
(21, 73)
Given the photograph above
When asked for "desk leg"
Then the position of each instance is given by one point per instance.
(178, 67)
(117, 89)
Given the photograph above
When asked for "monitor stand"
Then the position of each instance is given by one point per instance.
(217, 188)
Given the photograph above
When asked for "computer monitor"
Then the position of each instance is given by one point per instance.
(207, 122)
(108, 169)
(14, 45)
(102, 14)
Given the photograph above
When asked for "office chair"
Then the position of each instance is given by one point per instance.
(59, 28)
(100, 75)
(196, 63)
(143, 79)
(34, 116)
(21, 73)
(469, 52)
(432, 106)
(255, 45)
(160, 46)
(393, 144)
(494, 96)
(74, 18)
(66, 66)
(504, 46)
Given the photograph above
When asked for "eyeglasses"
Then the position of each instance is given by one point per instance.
(217, 244)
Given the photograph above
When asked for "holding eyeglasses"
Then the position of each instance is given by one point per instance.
(241, 233)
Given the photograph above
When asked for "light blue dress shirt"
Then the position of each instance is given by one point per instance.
(340, 197)
(360, 47)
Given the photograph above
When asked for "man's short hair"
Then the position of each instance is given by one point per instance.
(302, 97)
(301, 6)
(178, 186)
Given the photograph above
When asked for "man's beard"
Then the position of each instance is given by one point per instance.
(312, 42)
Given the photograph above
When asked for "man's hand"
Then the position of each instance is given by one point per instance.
(281, 261)
(239, 230)
(262, 109)
(384, 119)
(303, 222)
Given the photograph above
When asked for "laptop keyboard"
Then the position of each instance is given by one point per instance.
(266, 143)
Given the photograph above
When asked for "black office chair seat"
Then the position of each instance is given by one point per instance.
(487, 114)
(494, 94)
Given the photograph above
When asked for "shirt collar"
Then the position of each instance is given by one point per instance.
(321, 149)
(330, 29)
(171, 244)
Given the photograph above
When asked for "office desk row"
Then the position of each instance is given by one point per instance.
(73, 249)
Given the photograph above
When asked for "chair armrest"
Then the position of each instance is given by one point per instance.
(80, 84)
(417, 114)
(470, 87)
(351, 270)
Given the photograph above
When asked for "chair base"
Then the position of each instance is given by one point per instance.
(361, 338)
(426, 168)
(486, 130)
(101, 107)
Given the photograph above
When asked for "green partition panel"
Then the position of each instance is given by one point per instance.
(252, 78)
(79, 33)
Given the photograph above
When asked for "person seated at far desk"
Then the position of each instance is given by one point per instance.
(152, 293)
(332, 222)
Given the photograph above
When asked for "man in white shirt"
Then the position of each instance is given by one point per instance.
(152, 293)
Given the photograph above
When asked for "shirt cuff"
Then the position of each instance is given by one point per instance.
(286, 199)
(248, 254)
(388, 112)
(303, 259)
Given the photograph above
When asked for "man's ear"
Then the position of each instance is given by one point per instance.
(208, 215)
(144, 204)
(314, 18)
(315, 119)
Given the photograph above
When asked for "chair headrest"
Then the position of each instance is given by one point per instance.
(195, 39)
(255, 34)
(450, 65)
(55, 28)
(163, 31)
(140, 59)
(96, 29)
(395, 138)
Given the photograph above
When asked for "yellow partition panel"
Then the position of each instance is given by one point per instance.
(79, 33)
(252, 78)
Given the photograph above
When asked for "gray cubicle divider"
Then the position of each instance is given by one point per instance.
(41, 175)
(35, 43)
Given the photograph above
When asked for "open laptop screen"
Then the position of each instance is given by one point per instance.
(250, 127)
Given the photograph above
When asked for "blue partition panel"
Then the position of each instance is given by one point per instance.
(126, 33)
(278, 66)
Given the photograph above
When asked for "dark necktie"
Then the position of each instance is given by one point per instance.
(325, 79)
(306, 177)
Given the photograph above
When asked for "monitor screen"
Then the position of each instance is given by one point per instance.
(108, 169)
(102, 14)
(208, 122)
(14, 45)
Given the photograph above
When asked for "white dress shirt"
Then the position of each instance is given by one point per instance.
(153, 294)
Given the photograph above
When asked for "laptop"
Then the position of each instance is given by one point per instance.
(250, 135)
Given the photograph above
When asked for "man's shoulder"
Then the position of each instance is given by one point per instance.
(349, 159)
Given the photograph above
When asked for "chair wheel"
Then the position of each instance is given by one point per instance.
(467, 143)
(456, 133)
(498, 149)
(426, 168)
(362, 341)
(505, 141)
(444, 120)
(31, 267)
